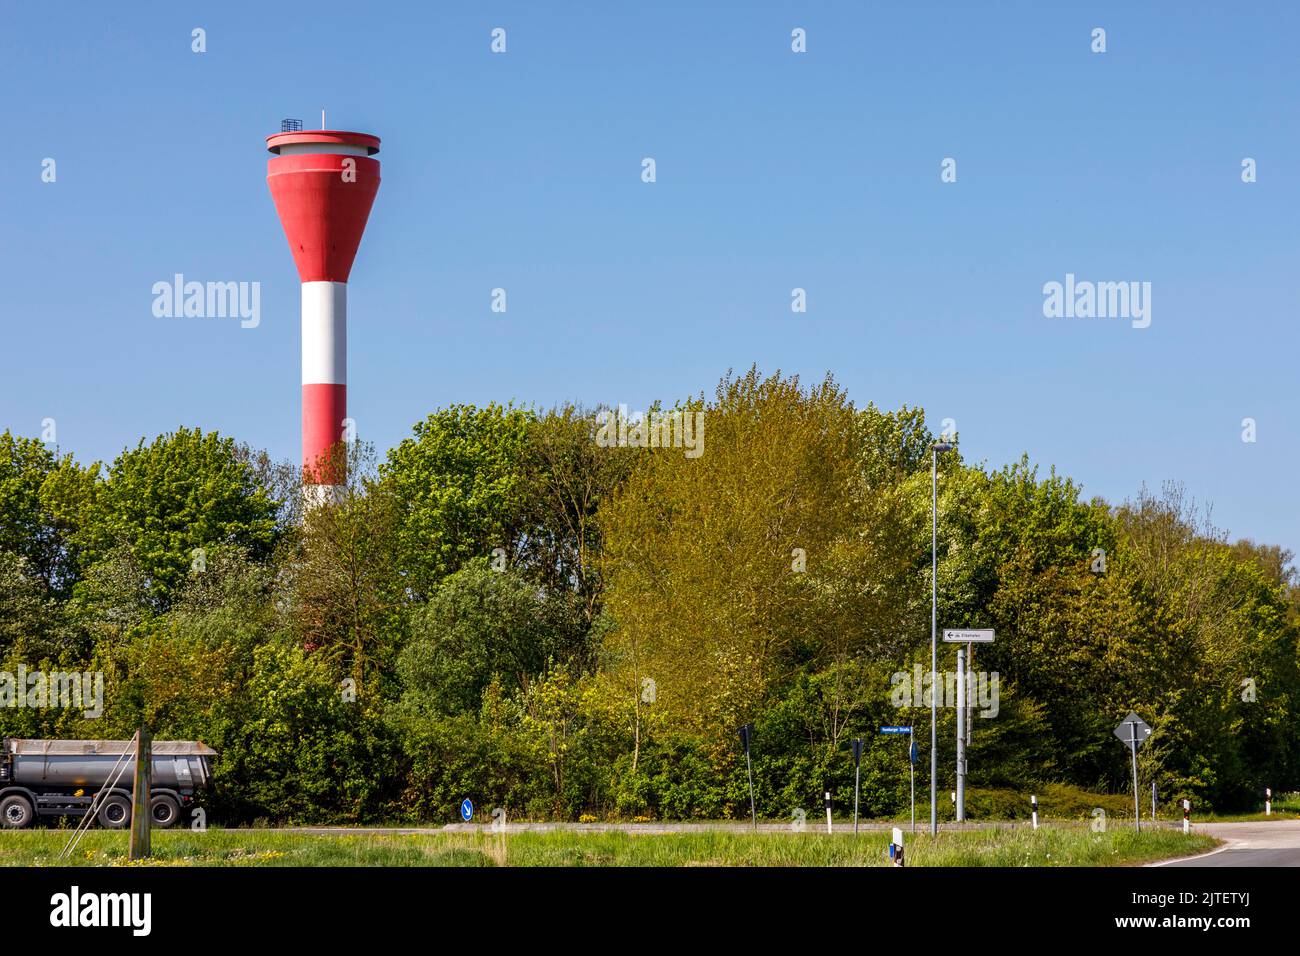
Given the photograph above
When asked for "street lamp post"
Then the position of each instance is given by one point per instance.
(935, 448)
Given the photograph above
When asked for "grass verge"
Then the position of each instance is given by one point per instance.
(216, 847)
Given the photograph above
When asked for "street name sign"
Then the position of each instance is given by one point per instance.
(982, 635)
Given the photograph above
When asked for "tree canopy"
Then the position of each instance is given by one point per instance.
(508, 607)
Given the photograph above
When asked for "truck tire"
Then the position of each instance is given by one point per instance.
(115, 812)
(164, 811)
(16, 812)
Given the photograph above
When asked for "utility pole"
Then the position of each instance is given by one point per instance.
(141, 815)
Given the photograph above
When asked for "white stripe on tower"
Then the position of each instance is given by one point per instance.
(324, 381)
(325, 334)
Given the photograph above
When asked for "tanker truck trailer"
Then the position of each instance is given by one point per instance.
(50, 778)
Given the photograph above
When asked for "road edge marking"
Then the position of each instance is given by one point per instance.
(1227, 845)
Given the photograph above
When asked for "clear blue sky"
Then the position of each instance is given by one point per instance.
(775, 170)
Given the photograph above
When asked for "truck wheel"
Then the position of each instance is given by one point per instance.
(16, 812)
(164, 810)
(115, 813)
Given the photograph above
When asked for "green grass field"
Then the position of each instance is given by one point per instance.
(1019, 847)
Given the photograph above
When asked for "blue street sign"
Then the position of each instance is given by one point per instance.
(895, 730)
(912, 755)
(467, 809)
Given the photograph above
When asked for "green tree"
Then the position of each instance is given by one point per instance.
(460, 484)
(41, 498)
(569, 477)
(342, 578)
(728, 570)
(170, 500)
(483, 624)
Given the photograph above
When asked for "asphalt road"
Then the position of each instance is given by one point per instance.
(1276, 843)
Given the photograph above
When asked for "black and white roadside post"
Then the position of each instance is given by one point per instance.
(896, 847)
(1187, 816)
(857, 779)
(1033, 804)
(1268, 801)
(829, 827)
(1134, 731)
(746, 732)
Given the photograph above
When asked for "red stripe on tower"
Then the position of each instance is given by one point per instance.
(323, 183)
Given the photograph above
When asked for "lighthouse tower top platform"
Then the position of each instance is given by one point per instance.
(338, 142)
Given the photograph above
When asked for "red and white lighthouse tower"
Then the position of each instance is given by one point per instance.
(323, 183)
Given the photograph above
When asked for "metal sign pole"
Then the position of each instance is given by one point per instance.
(970, 711)
(857, 779)
(745, 733)
(1133, 730)
(911, 767)
(1133, 745)
(961, 734)
(934, 630)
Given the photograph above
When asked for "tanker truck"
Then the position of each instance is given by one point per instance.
(51, 778)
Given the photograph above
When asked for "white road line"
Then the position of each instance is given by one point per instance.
(1197, 856)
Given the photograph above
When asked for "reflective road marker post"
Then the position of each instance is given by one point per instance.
(1033, 803)
(1153, 801)
(1268, 801)
(829, 828)
(1187, 816)
(896, 847)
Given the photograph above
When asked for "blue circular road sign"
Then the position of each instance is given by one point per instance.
(467, 809)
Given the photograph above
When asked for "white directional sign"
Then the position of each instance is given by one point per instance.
(978, 636)
(1133, 729)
